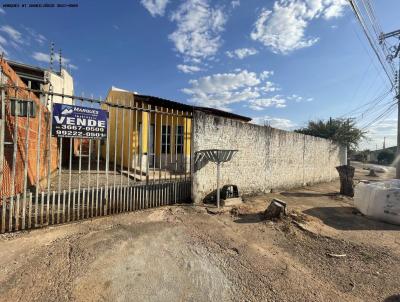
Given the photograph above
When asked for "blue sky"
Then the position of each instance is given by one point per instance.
(284, 61)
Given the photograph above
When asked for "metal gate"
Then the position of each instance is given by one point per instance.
(143, 162)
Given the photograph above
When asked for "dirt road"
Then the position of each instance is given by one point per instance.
(183, 253)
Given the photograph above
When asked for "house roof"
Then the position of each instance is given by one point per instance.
(28, 72)
(157, 101)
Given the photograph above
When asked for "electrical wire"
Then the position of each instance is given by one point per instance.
(370, 40)
(356, 110)
(388, 111)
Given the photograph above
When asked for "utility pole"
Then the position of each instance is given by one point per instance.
(395, 54)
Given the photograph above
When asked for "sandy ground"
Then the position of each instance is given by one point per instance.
(184, 253)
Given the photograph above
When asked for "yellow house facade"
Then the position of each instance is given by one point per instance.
(147, 134)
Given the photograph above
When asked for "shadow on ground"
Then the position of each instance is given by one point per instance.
(344, 218)
(308, 194)
(250, 218)
(394, 298)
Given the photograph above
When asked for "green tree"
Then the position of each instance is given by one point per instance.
(385, 157)
(342, 131)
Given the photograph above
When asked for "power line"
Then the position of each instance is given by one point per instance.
(373, 105)
(370, 40)
(377, 99)
(388, 111)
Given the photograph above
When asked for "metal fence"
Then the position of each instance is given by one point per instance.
(143, 162)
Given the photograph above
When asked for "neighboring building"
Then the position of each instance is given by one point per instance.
(18, 119)
(60, 82)
(43, 79)
(171, 152)
(373, 155)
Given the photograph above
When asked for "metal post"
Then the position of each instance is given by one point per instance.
(398, 123)
(218, 175)
(2, 126)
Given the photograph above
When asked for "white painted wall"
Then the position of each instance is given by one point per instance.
(268, 158)
(62, 83)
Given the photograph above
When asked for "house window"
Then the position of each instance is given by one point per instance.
(166, 139)
(179, 139)
(20, 108)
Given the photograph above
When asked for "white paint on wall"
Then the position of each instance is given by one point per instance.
(268, 158)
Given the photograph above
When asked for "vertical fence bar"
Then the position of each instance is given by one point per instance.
(171, 141)
(177, 175)
(167, 146)
(129, 141)
(11, 214)
(185, 144)
(122, 144)
(38, 148)
(136, 139)
(101, 202)
(140, 141)
(115, 145)
(88, 203)
(89, 163)
(148, 153)
(23, 214)
(2, 131)
(30, 211)
(17, 204)
(83, 202)
(15, 145)
(49, 143)
(97, 177)
(107, 166)
(154, 143)
(89, 200)
(98, 143)
(79, 172)
(58, 206)
(63, 205)
(60, 166)
(71, 151)
(53, 206)
(92, 203)
(42, 207)
(73, 204)
(161, 146)
(27, 130)
(122, 159)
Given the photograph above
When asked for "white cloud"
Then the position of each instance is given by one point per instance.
(276, 101)
(235, 3)
(39, 38)
(223, 89)
(197, 35)
(155, 7)
(2, 11)
(335, 8)
(283, 29)
(274, 122)
(241, 53)
(188, 68)
(3, 50)
(14, 34)
(266, 74)
(3, 41)
(72, 66)
(43, 57)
